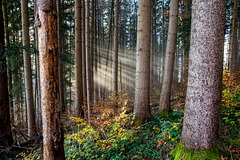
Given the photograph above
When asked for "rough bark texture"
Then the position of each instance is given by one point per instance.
(141, 104)
(115, 56)
(233, 40)
(48, 57)
(5, 127)
(78, 59)
(164, 103)
(27, 70)
(202, 116)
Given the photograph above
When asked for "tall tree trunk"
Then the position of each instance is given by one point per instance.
(28, 70)
(88, 63)
(78, 58)
(9, 63)
(233, 39)
(164, 104)
(84, 54)
(92, 35)
(5, 127)
(141, 104)
(95, 54)
(202, 116)
(115, 57)
(48, 56)
(61, 83)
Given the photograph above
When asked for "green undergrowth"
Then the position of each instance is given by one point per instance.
(181, 152)
(163, 114)
(121, 140)
(114, 136)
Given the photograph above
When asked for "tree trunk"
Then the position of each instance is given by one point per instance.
(9, 63)
(202, 116)
(141, 104)
(48, 56)
(78, 58)
(61, 83)
(233, 39)
(164, 104)
(115, 57)
(5, 127)
(88, 63)
(28, 70)
(84, 54)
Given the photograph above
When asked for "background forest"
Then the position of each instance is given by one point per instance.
(119, 79)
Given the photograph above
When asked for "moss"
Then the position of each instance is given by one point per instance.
(137, 122)
(163, 114)
(181, 152)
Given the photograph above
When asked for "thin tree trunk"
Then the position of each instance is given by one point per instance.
(95, 54)
(164, 104)
(141, 104)
(9, 63)
(115, 57)
(61, 83)
(27, 70)
(5, 127)
(78, 58)
(48, 56)
(88, 63)
(84, 54)
(202, 114)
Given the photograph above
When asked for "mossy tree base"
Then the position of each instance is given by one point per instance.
(164, 113)
(181, 152)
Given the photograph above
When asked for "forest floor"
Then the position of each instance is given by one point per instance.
(112, 134)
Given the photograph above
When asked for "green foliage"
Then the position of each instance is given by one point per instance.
(90, 143)
(164, 113)
(231, 112)
(181, 152)
(118, 139)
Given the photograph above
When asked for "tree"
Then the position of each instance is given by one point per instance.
(5, 127)
(164, 105)
(202, 115)
(141, 104)
(78, 59)
(61, 89)
(28, 70)
(48, 57)
(88, 66)
(115, 57)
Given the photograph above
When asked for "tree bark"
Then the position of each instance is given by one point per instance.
(115, 57)
(5, 127)
(202, 116)
(164, 103)
(48, 56)
(28, 70)
(88, 63)
(141, 104)
(84, 54)
(78, 58)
